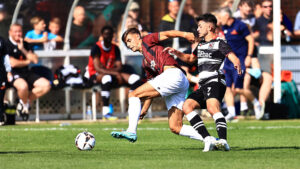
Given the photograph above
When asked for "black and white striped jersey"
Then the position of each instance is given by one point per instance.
(210, 58)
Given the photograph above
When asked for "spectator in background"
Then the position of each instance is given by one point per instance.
(261, 28)
(5, 21)
(245, 12)
(105, 67)
(53, 35)
(297, 25)
(132, 21)
(29, 85)
(260, 31)
(188, 9)
(286, 28)
(81, 29)
(168, 21)
(5, 75)
(227, 3)
(241, 41)
(257, 10)
(38, 35)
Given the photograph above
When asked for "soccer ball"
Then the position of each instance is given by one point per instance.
(85, 141)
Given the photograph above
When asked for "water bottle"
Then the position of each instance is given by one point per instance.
(287, 37)
(89, 113)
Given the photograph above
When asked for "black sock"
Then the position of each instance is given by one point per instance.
(199, 126)
(221, 128)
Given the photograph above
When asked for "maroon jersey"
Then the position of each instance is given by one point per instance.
(154, 57)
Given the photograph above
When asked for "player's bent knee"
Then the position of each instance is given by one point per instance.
(175, 129)
(106, 79)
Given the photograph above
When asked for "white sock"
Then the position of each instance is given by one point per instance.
(190, 132)
(244, 106)
(134, 111)
(105, 110)
(231, 111)
(255, 102)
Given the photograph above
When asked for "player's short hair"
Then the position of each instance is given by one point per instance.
(35, 20)
(208, 17)
(107, 27)
(130, 31)
(248, 2)
(15, 24)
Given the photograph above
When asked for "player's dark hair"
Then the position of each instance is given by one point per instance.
(248, 2)
(107, 27)
(130, 31)
(208, 17)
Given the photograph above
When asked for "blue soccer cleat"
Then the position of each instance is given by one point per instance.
(124, 134)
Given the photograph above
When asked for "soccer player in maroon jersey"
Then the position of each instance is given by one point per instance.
(165, 78)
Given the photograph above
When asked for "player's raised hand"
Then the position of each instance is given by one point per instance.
(170, 50)
(237, 66)
(21, 44)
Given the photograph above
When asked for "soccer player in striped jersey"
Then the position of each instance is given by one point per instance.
(209, 54)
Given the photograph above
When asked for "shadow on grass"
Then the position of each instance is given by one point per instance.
(24, 152)
(264, 148)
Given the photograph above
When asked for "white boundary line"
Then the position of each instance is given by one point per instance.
(148, 128)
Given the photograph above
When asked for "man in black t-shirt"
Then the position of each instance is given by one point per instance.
(29, 85)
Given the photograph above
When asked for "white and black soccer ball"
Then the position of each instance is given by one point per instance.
(85, 141)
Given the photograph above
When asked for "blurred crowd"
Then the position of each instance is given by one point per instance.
(44, 30)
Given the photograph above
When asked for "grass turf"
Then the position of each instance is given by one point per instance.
(254, 144)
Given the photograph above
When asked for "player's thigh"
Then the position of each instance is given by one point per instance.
(194, 101)
(42, 82)
(145, 91)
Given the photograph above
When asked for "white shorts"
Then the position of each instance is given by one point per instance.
(172, 85)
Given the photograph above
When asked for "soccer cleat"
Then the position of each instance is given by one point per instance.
(222, 144)
(22, 111)
(209, 143)
(2, 123)
(110, 117)
(261, 112)
(124, 134)
(229, 117)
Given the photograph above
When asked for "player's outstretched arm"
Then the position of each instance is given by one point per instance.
(189, 58)
(236, 62)
(174, 34)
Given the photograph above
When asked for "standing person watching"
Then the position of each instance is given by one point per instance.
(105, 67)
(29, 85)
(241, 41)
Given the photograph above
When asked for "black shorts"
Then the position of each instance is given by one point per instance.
(211, 90)
(29, 76)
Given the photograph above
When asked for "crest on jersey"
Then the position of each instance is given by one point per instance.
(211, 45)
(152, 64)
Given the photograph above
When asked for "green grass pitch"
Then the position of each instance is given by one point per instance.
(255, 144)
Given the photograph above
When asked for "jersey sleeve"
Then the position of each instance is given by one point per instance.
(118, 53)
(95, 51)
(151, 39)
(244, 30)
(225, 49)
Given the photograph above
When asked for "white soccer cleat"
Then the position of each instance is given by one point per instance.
(257, 110)
(261, 112)
(222, 144)
(209, 143)
(229, 117)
